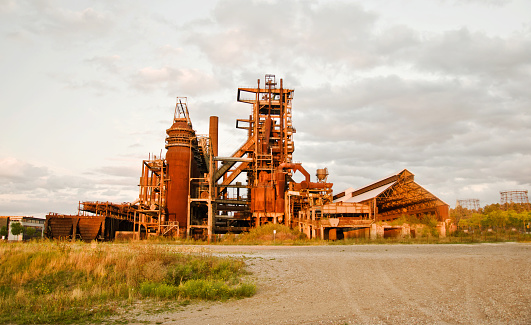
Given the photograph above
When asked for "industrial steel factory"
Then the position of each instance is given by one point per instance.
(193, 192)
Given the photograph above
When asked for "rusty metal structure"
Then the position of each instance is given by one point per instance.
(514, 197)
(194, 192)
(94, 221)
(175, 195)
(395, 196)
(470, 204)
(266, 160)
(363, 212)
(333, 220)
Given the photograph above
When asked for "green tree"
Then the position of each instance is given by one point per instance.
(495, 219)
(475, 221)
(30, 232)
(459, 213)
(3, 231)
(16, 229)
(492, 207)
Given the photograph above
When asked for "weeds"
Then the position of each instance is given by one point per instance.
(268, 234)
(426, 234)
(58, 282)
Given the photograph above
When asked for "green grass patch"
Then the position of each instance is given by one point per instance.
(198, 289)
(49, 282)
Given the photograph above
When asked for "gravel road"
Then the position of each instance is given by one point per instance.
(374, 284)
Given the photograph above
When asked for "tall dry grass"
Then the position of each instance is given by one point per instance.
(60, 282)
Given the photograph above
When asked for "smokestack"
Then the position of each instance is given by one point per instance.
(213, 133)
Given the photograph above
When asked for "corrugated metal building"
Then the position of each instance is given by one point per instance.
(394, 196)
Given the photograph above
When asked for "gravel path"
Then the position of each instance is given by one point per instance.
(374, 284)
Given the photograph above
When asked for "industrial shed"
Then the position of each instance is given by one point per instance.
(394, 196)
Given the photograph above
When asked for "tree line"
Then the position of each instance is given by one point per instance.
(512, 217)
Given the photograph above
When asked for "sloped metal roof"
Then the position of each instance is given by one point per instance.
(370, 194)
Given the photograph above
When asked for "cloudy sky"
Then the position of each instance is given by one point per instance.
(440, 87)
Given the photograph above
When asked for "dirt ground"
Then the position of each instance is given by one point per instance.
(374, 284)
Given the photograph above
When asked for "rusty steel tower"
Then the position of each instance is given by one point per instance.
(174, 193)
(266, 159)
(470, 204)
(514, 197)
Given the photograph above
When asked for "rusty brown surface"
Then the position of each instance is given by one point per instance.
(90, 228)
(270, 146)
(179, 160)
(84, 227)
(123, 211)
(60, 228)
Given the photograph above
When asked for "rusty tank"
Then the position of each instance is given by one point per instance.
(181, 167)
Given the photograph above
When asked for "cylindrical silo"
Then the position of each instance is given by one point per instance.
(180, 167)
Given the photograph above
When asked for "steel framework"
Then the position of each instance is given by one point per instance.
(194, 192)
(514, 197)
(470, 204)
(266, 157)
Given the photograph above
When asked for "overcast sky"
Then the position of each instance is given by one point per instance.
(439, 87)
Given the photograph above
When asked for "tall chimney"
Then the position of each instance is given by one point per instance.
(213, 133)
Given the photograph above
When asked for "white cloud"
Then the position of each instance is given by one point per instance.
(26, 189)
(109, 63)
(7, 6)
(168, 50)
(14, 170)
(463, 52)
(120, 171)
(239, 33)
(483, 2)
(175, 81)
(44, 19)
(442, 91)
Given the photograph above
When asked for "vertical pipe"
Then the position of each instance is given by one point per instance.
(251, 125)
(188, 212)
(144, 183)
(282, 143)
(209, 202)
(213, 133)
(256, 119)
